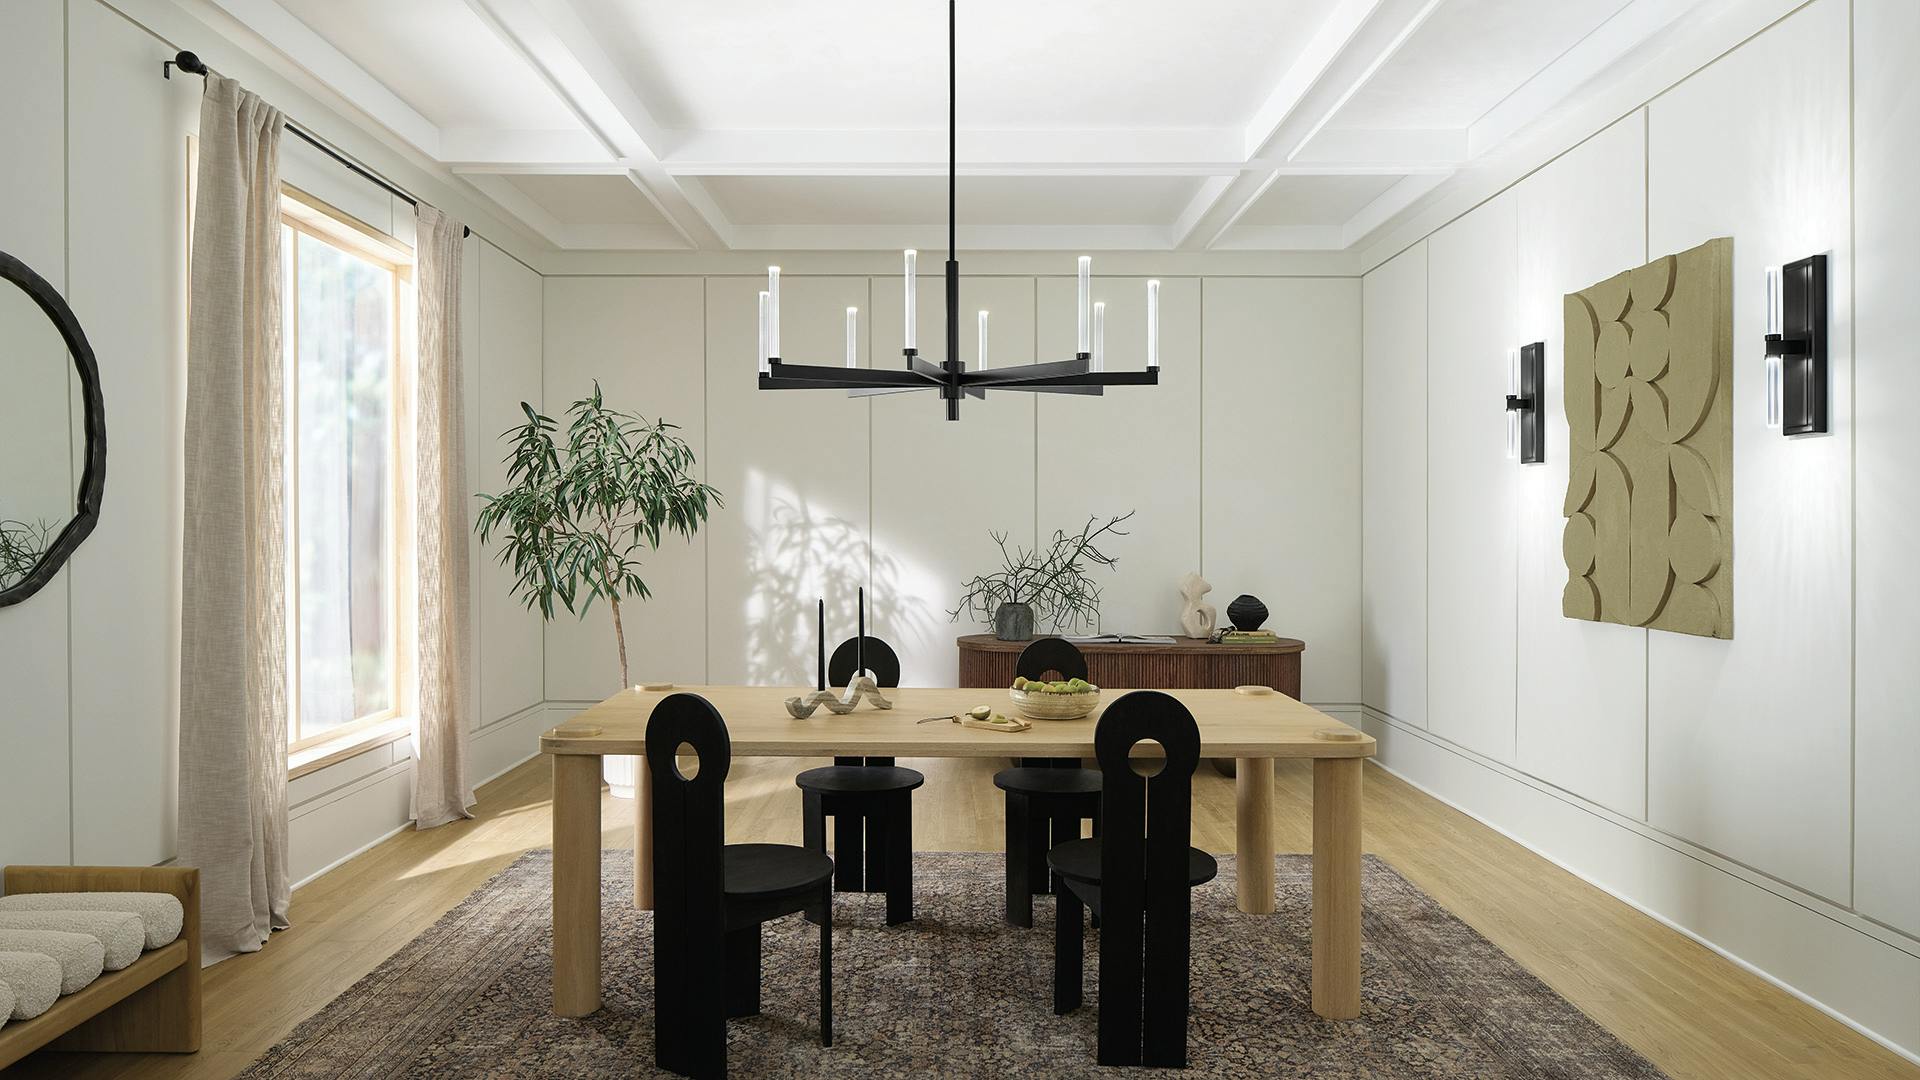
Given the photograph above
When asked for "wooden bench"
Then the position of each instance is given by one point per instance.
(150, 1006)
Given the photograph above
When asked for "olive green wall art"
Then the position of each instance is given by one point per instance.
(1649, 398)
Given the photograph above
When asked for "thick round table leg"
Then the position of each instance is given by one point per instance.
(1253, 835)
(1336, 887)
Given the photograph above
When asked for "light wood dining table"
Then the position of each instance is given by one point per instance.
(1252, 728)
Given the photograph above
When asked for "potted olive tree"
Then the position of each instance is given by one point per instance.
(1047, 583)
(576, 520)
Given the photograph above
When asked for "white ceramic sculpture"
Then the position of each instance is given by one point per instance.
(1196, 618)
(839, 704)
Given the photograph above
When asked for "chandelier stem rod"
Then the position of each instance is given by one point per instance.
(951, 362)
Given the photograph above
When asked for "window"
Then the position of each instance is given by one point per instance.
(343, 284)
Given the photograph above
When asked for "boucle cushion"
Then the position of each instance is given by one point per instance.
(34, 979)
(6, 1003)
(121, 934)
(160, 913)
(79, 955)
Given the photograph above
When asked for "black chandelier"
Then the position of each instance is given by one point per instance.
(1084, 374)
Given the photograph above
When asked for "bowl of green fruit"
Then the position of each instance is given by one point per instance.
(1064, 699)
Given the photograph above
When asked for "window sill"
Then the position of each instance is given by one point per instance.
(317, 757)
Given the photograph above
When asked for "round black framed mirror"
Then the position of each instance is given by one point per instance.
(53, 432)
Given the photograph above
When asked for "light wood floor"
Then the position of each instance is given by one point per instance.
(1693, 1013)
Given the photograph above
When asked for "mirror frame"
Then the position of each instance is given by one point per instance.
(93, 477)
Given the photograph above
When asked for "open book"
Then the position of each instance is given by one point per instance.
(1120, 639)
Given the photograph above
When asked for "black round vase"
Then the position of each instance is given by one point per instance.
(1246, 612)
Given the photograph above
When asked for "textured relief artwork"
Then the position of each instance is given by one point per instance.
(1649, 397)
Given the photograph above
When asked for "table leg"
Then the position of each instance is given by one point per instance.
(1253, 834)
(1336, 887)
(576, 884)
(643, 838)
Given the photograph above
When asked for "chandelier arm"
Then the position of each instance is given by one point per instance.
(1024, 373)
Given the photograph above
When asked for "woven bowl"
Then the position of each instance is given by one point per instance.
(1039, 706)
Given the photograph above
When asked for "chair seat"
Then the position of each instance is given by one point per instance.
(1031, 781)
(859, 779)
(764, 871)
(1079, 861)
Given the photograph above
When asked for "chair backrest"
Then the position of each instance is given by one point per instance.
(1146, 825)
(1051, 654)
(689, 916)
(880, 659)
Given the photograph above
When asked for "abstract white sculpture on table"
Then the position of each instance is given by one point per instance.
(1196, 618)
(839, 704)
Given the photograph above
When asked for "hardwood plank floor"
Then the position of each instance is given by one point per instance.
(1690, 1011)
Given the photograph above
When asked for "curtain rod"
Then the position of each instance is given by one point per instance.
(193, 65)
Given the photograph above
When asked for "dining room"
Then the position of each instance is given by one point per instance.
(574, 538)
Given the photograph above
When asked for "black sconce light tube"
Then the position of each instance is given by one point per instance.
(1531, 380)
(1799, 342)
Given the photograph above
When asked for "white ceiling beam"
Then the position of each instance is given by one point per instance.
(1284, 238)
(1328, 44)
(1163, 152)
(1617, 39)
(563, 51)
(573, 236)
(1388, 205)
(315, 55)
(932, 236)
(1383, 39)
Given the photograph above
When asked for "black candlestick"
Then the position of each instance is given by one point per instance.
(860, 640)
(821, 637)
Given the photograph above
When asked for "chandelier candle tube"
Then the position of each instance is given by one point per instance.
(761, 361)
(913, 308)
(983, 341)
(1085, 347)
(773, 312)
(1100, 335)
(1153, 325)
(853, 334)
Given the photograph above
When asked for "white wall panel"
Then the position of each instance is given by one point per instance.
(1280, 475)
(1887, 487)
(1393, 452)
(939, 488)
(643, 339)
(505, 359)
(1470, 481)
(1133, 448)
(1582, 685)
(794, 468)
(33, 634)
(1749, 740)
(128, 287)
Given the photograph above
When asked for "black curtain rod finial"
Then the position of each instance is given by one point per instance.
(185, 61)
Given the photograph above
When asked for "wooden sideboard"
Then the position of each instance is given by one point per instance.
(1187, 664)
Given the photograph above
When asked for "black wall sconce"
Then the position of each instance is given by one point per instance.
(1526, 422)
(1797, 347)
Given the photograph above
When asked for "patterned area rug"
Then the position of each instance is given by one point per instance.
(956, 993)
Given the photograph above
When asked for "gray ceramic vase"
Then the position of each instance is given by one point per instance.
(1013, 622)
(1246, 612)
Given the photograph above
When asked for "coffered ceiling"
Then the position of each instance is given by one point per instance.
(1084, 124)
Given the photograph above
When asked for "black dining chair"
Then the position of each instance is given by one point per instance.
(1047, 798)
(711, 897)
(869, 799)
(1137, 875)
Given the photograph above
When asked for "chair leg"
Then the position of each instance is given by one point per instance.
(826, 967)
(1065, 827)
(1069, 940)
(1039, 842)
(813, 831)
(1019, 888)
(742, 961)
(898, 844)
(848, 824)
(876, 827)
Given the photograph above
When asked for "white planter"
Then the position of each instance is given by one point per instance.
(620, 772)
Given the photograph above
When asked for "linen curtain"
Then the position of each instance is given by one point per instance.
(441, 789)
(233, 631)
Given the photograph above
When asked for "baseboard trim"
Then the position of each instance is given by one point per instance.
(1799, 917)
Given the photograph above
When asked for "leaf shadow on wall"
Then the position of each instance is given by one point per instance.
(798, 555)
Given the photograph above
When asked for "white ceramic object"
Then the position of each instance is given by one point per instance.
(1196, 618)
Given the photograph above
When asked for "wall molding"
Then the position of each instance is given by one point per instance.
(1856, 970)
